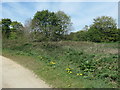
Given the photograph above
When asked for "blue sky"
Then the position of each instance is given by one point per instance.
(81, 13)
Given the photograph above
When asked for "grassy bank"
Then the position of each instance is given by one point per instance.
(68, 64)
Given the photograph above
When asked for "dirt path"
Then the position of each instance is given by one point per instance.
(16, 76)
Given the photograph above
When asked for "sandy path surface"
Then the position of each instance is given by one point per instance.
(16, 76)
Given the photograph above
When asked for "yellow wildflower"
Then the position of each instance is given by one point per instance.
(67, 68)
(69, 72)
(52, 62)
(79, 74)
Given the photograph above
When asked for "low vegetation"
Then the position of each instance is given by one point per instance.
(69, 64)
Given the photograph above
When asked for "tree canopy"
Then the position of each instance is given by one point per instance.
(104, 28)
(50, 24)
(10, 28)
(55, 26)
(6, 27)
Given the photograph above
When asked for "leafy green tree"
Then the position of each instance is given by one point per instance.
(82, 35)
(6, 27)
(86, 28)
(52, 25)
(16, 30)
(64, 24)
(16, 26)
(79, 36)
(64, 21)
(103, 29)
(94, 35)
(73, 36)
(42, 22)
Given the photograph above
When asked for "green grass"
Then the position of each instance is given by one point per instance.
(68, 64)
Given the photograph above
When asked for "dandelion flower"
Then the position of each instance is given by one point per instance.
(81, 74)
(52, 62)
(67, 68)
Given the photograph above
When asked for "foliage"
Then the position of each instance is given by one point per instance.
(11, 29)
(16, 26)
(13, 35)
(51, 25)
(73, 59)
(6, 27)
(79, 36)
(104, 29)
(55, 26)
(16, 30)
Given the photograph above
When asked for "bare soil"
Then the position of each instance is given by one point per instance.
(16, 76)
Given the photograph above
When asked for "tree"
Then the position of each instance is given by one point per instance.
(64, 21)
(86, 28)
(42, 23)
(6, 27)
(51, 25)
(16, 29)
(104, 28)
(11, 29)
(94, 35)
(28, 26)
(82, 35)
(78, 36)
(28, 29)
(16, 26)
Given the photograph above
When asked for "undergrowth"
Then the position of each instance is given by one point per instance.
(96, 68)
